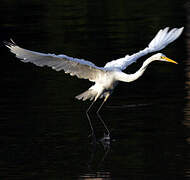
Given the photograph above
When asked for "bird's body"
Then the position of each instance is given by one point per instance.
(105, 78)
(104, 85)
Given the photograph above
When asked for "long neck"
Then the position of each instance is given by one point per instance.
(132, 77)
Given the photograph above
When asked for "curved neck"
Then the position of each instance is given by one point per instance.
(132, 77)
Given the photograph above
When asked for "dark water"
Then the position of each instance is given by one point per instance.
(44, 130)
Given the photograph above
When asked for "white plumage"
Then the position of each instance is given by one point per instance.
(107, 77)
(159, 42)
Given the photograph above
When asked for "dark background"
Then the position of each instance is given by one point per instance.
(44, 129)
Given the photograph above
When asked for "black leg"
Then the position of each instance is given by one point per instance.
(108, 132)
(90, 123)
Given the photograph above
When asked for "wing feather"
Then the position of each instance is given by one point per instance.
(159, 42)
(78, 67)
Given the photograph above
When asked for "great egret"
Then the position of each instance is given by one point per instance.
(105, 78)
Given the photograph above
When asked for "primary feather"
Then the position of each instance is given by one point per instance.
(160, 41)
(73, 66)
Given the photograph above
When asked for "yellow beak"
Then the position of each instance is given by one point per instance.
(169, 60)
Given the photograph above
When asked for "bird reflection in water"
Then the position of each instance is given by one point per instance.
(103, 144)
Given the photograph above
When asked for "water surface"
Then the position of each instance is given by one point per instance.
(44, 130)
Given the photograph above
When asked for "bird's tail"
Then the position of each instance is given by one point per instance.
(89, 94)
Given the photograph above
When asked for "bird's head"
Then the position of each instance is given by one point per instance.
(162, 57)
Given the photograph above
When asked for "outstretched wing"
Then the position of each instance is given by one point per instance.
(160, 41)
(73, 66)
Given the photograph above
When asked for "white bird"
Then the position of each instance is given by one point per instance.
(105, 78)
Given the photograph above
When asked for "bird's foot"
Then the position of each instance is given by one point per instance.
(106, 138)
(106, 141)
